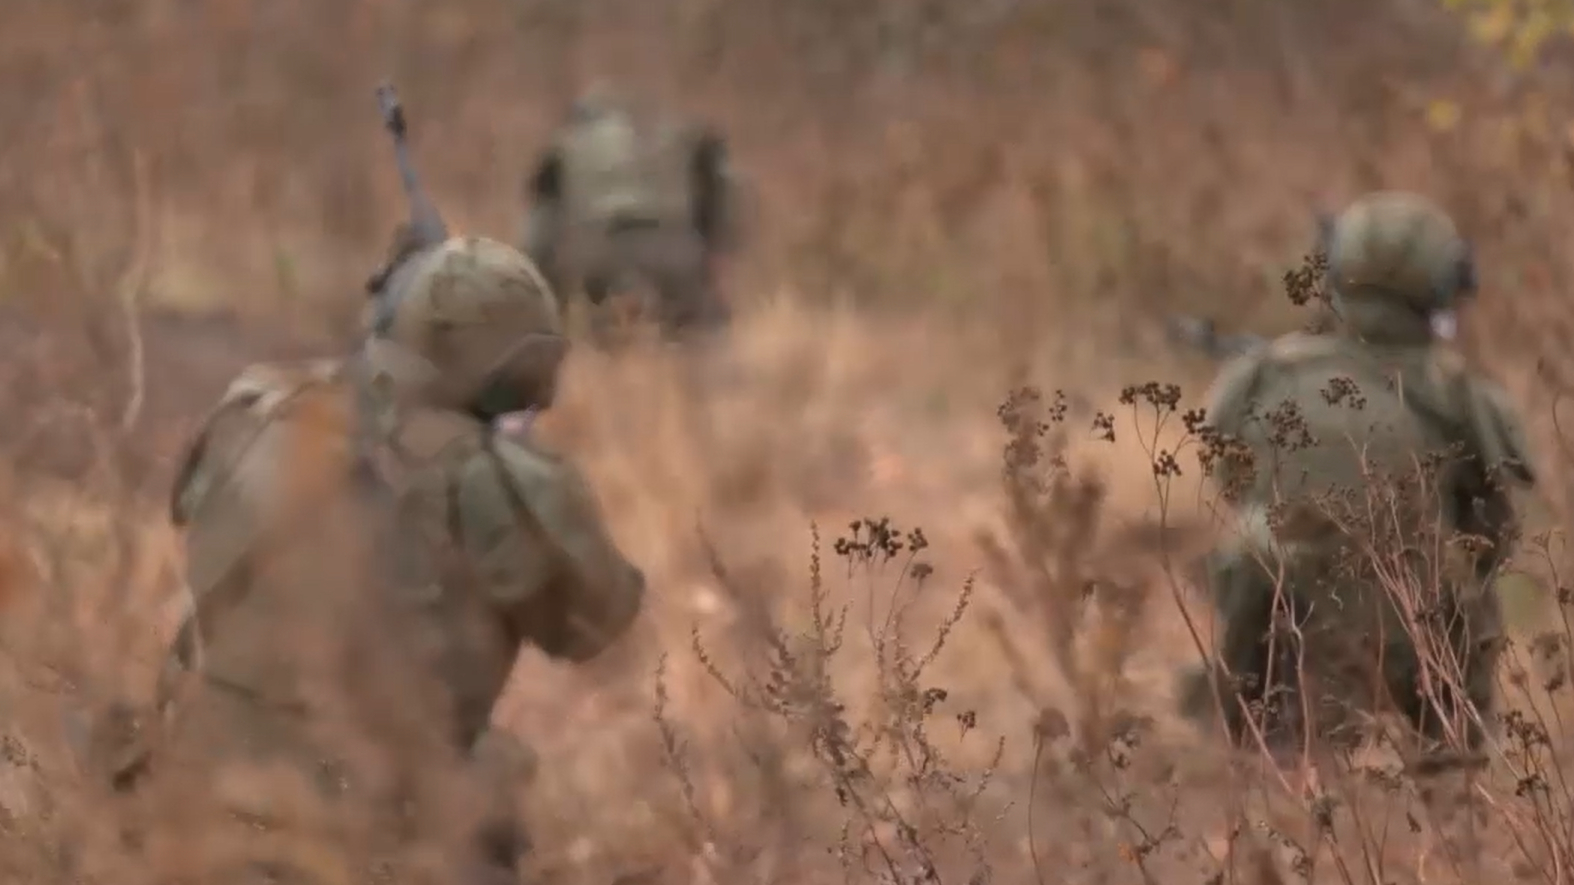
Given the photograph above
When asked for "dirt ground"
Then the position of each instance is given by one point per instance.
(947, 201)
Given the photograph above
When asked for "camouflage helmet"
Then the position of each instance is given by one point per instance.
(1398, 248)
(480, 313)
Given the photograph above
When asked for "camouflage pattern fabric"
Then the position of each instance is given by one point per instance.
(283, 700)
(370, 505)
(514, 551)
(618, 164)
(1355, 461)
(624, 201)
(521, 530)
(478, 330)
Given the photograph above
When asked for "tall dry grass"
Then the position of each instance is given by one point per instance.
(950, 202)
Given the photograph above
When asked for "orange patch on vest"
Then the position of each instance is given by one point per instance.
(316, 451)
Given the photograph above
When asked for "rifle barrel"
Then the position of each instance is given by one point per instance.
(424, 217)
(1203, 335)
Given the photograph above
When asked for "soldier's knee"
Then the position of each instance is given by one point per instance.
(1211, 696)
(1197, 697)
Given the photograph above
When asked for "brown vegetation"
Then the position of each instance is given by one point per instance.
(950, 201)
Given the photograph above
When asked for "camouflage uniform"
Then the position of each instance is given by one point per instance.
(1342, 425)
(621, 199)
(479, 543)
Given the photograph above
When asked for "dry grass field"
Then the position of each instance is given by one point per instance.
(949, 202)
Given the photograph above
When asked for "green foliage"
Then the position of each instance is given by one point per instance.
(1519, 28)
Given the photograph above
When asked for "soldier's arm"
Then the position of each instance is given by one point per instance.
(1229, 399)
(543, 223)
(1229, 408)
(534, 528)
(1495, 499)
(716, 191)
(1500, 435)
(200, 468)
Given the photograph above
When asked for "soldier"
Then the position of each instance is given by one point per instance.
(623, 200)
(1317, 432)
(475, 542)
(496, 542)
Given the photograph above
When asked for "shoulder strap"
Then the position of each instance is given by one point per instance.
(1229, 397)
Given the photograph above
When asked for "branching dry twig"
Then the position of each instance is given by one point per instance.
(132, 285)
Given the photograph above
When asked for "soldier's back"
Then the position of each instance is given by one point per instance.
(281, 535)
(622, 163)
(278, 442)
(1330, 414)
(289, 690)
(484, 542)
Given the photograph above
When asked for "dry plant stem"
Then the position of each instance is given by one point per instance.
(845, 767)
(1553, 876)
(1567, 642)
(132, 286)
(1161, 487)
(1371, 851)
(674, 755)
(1032, 804)
(1394, 575)
(1162, 490)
